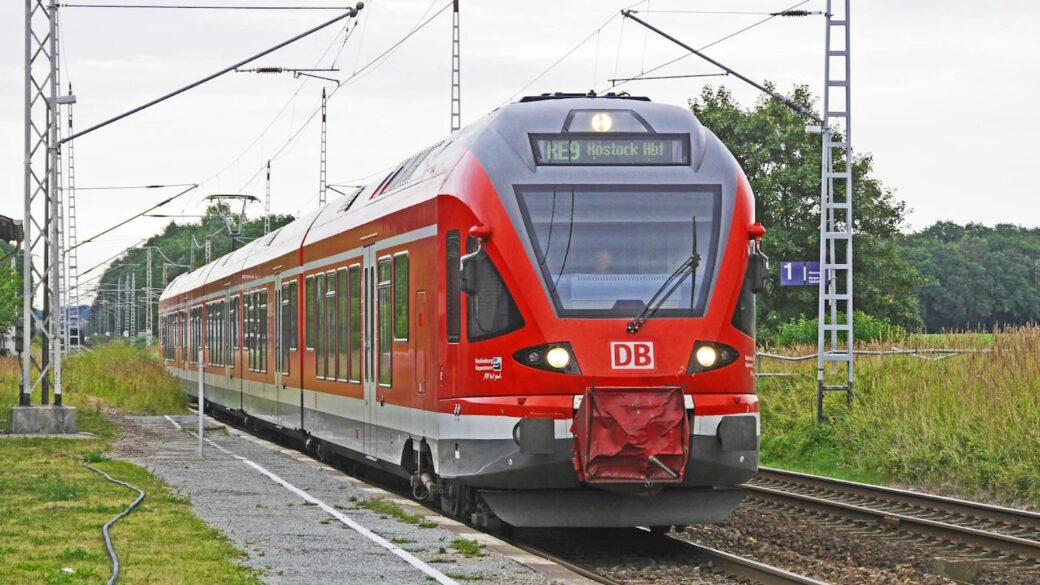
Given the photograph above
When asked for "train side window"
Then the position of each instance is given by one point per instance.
(262, 330)
(309, 302)
(283, 331)
(355, 323)
(744, 311)
(233, 322)
(385, 322)
(247, 328)
(293, 329)
(401, 297)
(319, 325)
(491, 310)
(453, 295)
(342, 326)
(330, 325)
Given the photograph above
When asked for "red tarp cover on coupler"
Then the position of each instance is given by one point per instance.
(629, 435)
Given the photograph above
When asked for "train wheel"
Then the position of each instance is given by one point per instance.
(454, 500)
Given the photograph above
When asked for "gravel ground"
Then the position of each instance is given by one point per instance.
(633, 559)
(840, 551)
(288, 540)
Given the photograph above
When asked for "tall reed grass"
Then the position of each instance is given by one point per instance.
(970, 423)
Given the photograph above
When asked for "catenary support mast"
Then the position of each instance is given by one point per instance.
(834, 336)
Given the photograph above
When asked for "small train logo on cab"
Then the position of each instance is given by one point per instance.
(632, 355)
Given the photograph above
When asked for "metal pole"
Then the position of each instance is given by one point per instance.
(321, 173)
(202, 400)
(133, 307)
(55, 234)
(267, 201)
(456, 70)
(148, 301)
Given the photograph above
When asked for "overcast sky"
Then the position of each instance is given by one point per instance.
(944, 93)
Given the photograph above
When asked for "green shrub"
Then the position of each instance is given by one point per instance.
(865, 328)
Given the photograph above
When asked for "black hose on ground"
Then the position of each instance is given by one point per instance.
(120, 516)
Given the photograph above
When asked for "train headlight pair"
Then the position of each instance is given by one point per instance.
(709, 355)
(551, 357)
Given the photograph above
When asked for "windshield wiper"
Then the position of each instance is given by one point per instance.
(669, 286)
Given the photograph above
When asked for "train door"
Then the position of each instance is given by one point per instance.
(226, 347)
(422, 332)
(369, 376)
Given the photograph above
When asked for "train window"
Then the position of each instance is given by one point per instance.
(247, 328)
(319, 325)
(330, 325)
(401, 297)
(233, 322)
(605, 251)
(744, 312)
(342, 327)
(491, 310)
(355, 323)
(283, 331)
(309, 301)
(293, 307)
(383, 305)
(262, 330)
(453, 295)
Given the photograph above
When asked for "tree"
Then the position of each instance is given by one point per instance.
(10, 291)
(782, 163)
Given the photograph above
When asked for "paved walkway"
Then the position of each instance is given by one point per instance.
(302, 522)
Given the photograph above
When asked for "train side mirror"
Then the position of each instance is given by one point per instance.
(758, 270)
(467, 263)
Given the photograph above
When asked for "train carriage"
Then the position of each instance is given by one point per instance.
(546, 319)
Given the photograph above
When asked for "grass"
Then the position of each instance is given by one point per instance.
(52, 508)
(968, 424)
(468, 548)
(391, 510)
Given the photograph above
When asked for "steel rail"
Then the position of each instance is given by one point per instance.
(745, 568)
(533, 550)
(909, 510)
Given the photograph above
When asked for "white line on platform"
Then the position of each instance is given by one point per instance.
(393, 548)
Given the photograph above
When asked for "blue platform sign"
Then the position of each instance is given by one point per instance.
(799, 273)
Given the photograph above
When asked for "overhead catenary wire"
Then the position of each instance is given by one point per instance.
(129, 219)
(349, 13)
(350, 79)
(117, 518)
(197, 6)
(708, 46)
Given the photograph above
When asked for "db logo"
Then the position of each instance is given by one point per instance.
(632, 355)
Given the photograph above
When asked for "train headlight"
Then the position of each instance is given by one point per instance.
(709, 355)
(558, 357)
(555, 356)
(602, 122)
(706, 356)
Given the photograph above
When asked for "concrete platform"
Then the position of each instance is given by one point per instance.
(43, 420)
(303, 522)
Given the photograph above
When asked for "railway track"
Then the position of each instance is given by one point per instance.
(990, 527)
(599, 557)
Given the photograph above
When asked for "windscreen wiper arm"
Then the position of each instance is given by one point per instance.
(684, 271)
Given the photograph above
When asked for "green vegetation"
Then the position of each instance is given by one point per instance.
(468, 548)
(866, 328)
(181, 246)
(392, 510)
(976, 276)
(10, 289)
(782, 163)
(52, 508)
(969, 423)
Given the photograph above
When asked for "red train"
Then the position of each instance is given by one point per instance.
(546, 319)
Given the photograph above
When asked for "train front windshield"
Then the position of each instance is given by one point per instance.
(605, 251)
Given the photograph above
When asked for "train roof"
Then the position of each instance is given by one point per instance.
(497, 140)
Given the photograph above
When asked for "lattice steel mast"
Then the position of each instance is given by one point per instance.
(835, 337)
(73, 334)
(456, 82)
(322, 182)
(40, 226)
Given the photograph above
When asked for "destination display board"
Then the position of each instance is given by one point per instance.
(599, 148)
